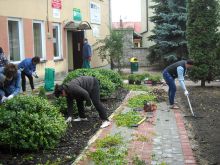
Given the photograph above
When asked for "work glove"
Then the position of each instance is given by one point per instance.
(10, 96)
(186, 93)
(34, 74)
(4, 99)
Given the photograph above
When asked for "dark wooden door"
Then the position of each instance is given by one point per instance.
(78, 38)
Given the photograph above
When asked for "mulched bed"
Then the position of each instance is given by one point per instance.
(204, 132)
(71, 144)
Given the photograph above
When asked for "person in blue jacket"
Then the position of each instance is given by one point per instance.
(10, 82)
(176, 70)
(87, 54)
(28, 68)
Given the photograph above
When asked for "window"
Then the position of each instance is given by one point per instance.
(56, 41)
(15, 40)
(39, 39)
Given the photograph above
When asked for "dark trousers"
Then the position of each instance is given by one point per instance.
(172, 86)
(23, 81)
(95, 97)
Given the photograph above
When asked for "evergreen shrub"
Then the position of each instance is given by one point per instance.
(107, 87)
(30, 123)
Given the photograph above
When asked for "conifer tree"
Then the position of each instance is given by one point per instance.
(169, 32)
(203, 39)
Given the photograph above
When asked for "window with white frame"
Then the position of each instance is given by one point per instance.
(15, 39)
(56, 41)
(39, 39)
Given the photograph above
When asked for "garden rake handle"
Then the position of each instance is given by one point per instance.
(190, 106)
(141, 121)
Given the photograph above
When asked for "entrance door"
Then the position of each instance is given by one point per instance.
(77, 40)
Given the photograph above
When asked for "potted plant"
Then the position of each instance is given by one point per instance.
(131, 79)
(138, 79)
(155, 79)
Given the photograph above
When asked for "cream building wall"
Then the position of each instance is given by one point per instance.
(146, 25)
(29, 10)
(103, 27)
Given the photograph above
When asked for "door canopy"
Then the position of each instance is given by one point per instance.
(74, 26)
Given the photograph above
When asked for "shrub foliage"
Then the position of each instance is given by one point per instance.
(108, 79)
(30, 123)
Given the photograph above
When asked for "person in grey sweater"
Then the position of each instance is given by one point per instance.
(84, 88)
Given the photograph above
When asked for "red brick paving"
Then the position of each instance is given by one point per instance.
(186, 147)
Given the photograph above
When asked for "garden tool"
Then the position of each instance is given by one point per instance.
(190, 106)
(141, 121)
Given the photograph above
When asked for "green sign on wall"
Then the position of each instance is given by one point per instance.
(77, 14)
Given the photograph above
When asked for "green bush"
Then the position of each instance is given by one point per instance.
(113, 76)
(30, 123)
(106, 86)
(61, 104)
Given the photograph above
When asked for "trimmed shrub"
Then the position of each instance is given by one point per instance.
(113, 76)
(106, 86)
(61, 104)
(30, 123)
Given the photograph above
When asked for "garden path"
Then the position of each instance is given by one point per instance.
(165, 138)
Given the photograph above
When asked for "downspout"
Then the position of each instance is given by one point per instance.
(110, 15)
(147, 15)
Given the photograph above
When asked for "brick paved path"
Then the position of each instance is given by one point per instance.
(166, 139)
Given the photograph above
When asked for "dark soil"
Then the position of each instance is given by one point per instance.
(204, 132)
(72, 144)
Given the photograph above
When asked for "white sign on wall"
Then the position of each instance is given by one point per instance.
(95, 13)
(96, 31)
(56, 13)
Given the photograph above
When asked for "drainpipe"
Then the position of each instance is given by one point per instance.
(110, 15)
(147, 14)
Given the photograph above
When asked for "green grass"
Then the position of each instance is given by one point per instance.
(110, 141)
(110, 150)
(127, 119)
(132, 87)
(138, 101)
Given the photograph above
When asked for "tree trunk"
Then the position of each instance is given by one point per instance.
(111, 64)
(202, 83)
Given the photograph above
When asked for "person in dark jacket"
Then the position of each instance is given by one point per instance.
(87, 54)
(10, 84)
(28, 68)
(170, 73)
(3, 59)
(84, 88)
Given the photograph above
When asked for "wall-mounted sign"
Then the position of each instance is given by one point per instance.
(77, 15)
(95, 13)
(56, 13)
(96, 31)
(56, 4)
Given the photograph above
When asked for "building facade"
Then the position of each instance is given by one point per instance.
(146, 25)
(53, 30)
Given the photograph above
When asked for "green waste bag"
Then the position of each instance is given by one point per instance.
(49, 79)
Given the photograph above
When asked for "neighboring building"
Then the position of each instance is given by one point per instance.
(129, 48)
(146, 25)
(127, 25)
(53, 30)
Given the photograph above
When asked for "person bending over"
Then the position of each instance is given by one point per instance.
(84, 88)
(176, 70)
(28, 68)
(10, 84)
